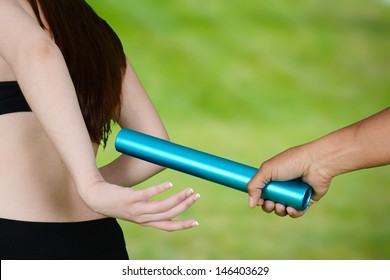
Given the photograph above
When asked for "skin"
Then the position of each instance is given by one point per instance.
(361, 145)
(50, 173)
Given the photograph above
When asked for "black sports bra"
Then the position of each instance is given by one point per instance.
(12, 99)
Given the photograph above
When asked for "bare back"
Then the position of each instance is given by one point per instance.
(34, 182)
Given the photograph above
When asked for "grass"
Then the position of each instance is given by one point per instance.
(246, 80)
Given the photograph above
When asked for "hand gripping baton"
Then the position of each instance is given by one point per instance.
(294, 193)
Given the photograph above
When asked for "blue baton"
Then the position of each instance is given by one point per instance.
(294, 193)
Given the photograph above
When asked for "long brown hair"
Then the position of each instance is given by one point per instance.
(94, 56)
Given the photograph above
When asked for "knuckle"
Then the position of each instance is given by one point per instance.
(139, 220)
(265, 165)
(144, 194)
(168, 229)
(133, 214)
(187, 203)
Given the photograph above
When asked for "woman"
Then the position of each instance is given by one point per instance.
(63, 78)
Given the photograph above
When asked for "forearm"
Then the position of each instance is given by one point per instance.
(128, 171)
(361, 145)
(137, 113)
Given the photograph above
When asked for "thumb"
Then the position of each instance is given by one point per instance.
(255, 186)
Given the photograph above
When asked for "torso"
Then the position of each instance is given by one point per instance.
(34, 182)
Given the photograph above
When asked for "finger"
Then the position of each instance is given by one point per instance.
(261, 202)
(172, 225)
(280, 210)
(294, 213)
(268, 206)
(174, 211)
(312, 201)
(147, 193)
(159, 206)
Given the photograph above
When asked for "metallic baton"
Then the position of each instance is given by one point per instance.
(294, 193)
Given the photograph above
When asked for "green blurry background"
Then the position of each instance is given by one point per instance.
(245, 80)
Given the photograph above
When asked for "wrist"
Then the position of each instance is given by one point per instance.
(89, 189)
(328, 157)
(87, 180)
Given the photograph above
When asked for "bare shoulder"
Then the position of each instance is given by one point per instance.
(10, 11)
(20, 7)
(9, 4)
(15, 14)
(19, 29)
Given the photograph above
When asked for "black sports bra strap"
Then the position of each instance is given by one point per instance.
(12, 99)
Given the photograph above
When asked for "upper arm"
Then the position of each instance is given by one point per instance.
(138, 112)
(20, 33)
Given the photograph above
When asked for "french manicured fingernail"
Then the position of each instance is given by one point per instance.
(169, 185)
(194, 224)
(189, 192)
(197, 196)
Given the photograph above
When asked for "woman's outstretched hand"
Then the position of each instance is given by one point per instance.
(138, 206)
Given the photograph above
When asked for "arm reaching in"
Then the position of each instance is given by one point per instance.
(361, 145)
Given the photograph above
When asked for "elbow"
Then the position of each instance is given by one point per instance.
(157, 169)
(159, 133)
(37, 54)
(165, 136)
(44, 50)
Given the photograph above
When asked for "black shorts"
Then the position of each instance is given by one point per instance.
(90, 240)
